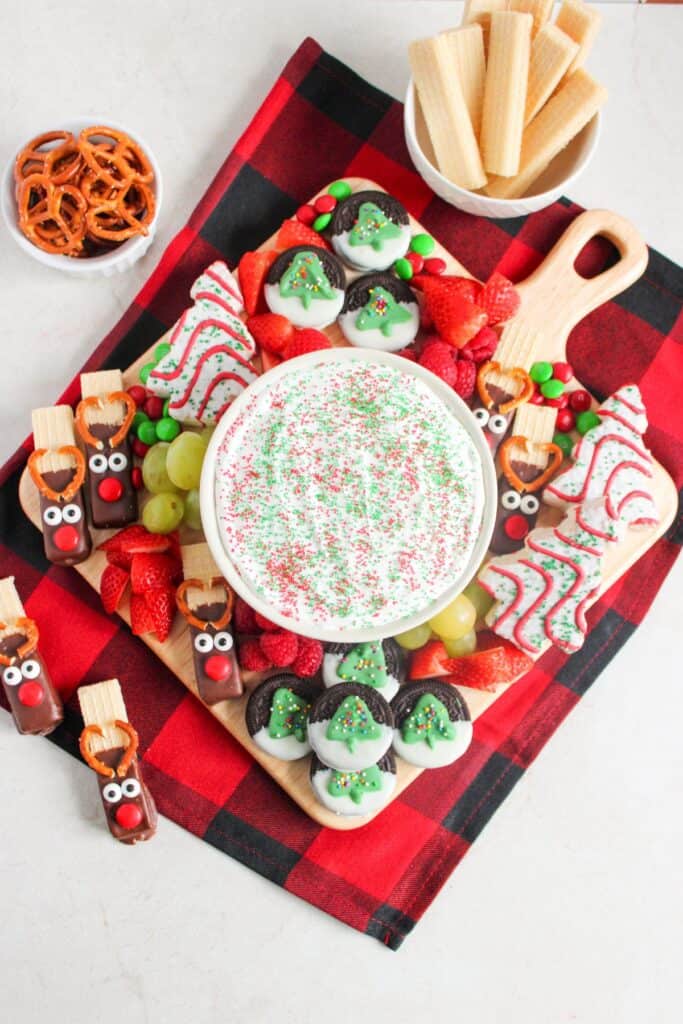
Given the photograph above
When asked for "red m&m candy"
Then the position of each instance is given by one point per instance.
(516, 527)
(306, 214)
(128, 816)
(563, 372)
(565, 420)
(325, 204)
(579, 400)
(434, 265)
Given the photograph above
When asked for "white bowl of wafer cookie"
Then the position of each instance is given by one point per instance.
(500, 114)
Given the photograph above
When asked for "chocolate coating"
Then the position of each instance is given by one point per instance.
(332, 266)
(44, 717)
(55, 523)
(258, 709)
(213, 690)
(110, 514)
(501, 543)
(328, 702)
(493, 437)
(358, 292)
(407, 697)
(143, 800)
(346, 213)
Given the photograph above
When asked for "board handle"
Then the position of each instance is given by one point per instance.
(578, 294)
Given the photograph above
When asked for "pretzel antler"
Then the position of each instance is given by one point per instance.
(555, 458)
(30, 630)
(94, 762)
(74, 484)
(517, 373)
(99, 402)
(194, 584)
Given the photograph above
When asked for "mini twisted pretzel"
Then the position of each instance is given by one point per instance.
(34, 158)
(554, 451)
(124, 157)
(44, 206)
(94, 762)
(99, 402)
(515, 372)
(74, 484)
(120, 216)
(30, 630)
(181, 601)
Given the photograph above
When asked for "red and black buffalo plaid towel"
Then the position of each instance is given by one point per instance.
(321, 122)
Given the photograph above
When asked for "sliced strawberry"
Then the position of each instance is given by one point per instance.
(518, 661)
(120, 558)
(151, 571)
(269, 361)
(485, 669)
(455, 317)
(499, 298)
(113, 583)
(150, 543)
(161, 607)
(429, 661)
(293, 232)
(271, 331)
(115, 542)
(253, 268)
(465, 286)
(140, 617)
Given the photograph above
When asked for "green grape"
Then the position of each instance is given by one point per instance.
(456, 619)
(206, 434)
(192, 517)
(466, 644)
(154, 475)
(479, 598)
(414, 638)
(163, 513)
(184, 461)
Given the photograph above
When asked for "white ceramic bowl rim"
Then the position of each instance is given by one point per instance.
(126, 253)
(456, 407)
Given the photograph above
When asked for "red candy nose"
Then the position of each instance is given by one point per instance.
(128, 816)
(31, 694)
(218, 668)
(516, 527)
(110, 489)
(66, 538)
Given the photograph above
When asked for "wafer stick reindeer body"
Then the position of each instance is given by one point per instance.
(206, 602)
(57, 468)
(109, 746)
(103, 418)
(33, 700)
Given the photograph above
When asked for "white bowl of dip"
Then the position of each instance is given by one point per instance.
(348, 495)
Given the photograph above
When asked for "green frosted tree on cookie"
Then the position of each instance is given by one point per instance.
(364, 664)
(372, 227)
(352, 723)
(288, 715)
(305, 279)
(428, 723)
(381, 312)
(355, 784)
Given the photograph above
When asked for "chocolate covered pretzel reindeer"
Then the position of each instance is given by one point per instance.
(528, 459)
(108, 745)
(57, 468)
(34, 702)
(103, 418)
(500, 390)
(206, 601)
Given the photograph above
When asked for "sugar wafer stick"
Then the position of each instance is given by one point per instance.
(581, 23)
(103, 382)
(505, 92)
(466, 46)
(538, 9)
(536, 423)
(563, 117)
(11, 607)
(445, 113)
(53, 428)
(480, 11)
(552, 51)
(198, 564)
(102, 704)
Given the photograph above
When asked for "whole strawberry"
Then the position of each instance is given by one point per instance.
(306, 340)
(499, 298)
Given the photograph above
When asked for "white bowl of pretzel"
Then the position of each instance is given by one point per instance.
(84, 198)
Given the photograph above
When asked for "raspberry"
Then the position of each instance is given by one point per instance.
(252, 658)
(437, 357)
(244, 618)
(408, 353)
(310, 657)
(481, 347)
(281, 648)
(263, 623)
(467, 376)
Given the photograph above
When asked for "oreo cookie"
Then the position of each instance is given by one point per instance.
(370, 230)
(351, 794)
(350, 726)
(277, 715)
(433, 726)
(379, 665)
(306, 284)
(381, 312)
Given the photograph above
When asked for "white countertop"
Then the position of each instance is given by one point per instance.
(569, 906)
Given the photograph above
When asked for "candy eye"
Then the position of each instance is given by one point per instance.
(498, 424)
(481, 415)
(30, 669)
(130, 788)
(118, 461)
(222, 641)
(529, 504)
(12, 676)
(72, 514)
(112, 792)
(510, 500)
(203, 643)
(97, 463)
(52, 516)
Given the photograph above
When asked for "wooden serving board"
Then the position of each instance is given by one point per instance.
(554, 299)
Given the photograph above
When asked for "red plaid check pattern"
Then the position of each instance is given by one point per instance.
(320, 122)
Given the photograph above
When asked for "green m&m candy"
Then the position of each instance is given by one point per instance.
(404, 269)
(541, 372)
(585, 421)
(167, 429)
(145, 371)
(321, 222)
(552, 388)
(146, 432)
(140, 417)
(564, 442)
(423, 245)
(162, 349)
(340, 190)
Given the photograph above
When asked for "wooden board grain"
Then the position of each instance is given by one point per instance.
(554, 299)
